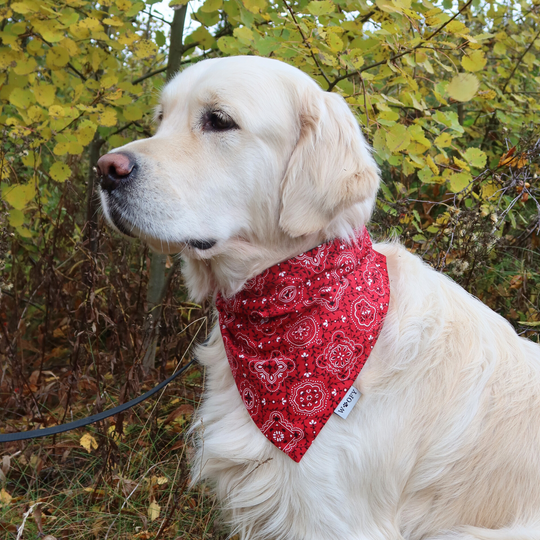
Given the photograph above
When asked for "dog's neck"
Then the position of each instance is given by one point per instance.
(228, 272)
(243, 259)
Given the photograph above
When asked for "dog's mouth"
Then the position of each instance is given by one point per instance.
(128, 227)
(117, 221)
(202, 244)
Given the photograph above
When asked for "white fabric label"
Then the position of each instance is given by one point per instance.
(348, 402)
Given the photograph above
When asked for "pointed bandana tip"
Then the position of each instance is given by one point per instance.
(298, 335)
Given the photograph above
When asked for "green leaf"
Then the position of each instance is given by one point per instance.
(320, 8)
(267, 45)
(134, 9)
(60, 171)
(463, 87)
(211, 5)
(133, 113)
(398, 138)
(160, 38)
(418, 134)
(476, 157)
(244, 35)
(228, 45)
(16, 217)
(254, 6)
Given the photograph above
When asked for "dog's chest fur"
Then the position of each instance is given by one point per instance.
(426, 420)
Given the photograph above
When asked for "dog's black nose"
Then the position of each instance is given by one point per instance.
(114, 169)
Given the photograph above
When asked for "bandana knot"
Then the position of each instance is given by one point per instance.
(298, 335)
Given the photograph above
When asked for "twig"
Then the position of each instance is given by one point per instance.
(398, 55)
(519, 61)
(20, 530)
(72, 67)
(307, 42)
(148, 75)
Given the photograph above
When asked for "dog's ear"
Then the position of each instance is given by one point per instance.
(330, 169)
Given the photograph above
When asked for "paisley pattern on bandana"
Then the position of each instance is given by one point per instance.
(298, 335)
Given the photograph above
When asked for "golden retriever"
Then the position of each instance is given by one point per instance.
(252, 164)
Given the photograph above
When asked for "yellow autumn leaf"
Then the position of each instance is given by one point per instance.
(59, 171)
(88, 442)
(443, 140)
(57, 111)
(431, 164)
(463, 87)
(145, 48)
(475, 61)
(153, 511)
(45, 94)
(461, 164)
(459, 181)
(398, 138)
(85, 132)
(110, 80)
(107, 118)
(57, 57)
(61, 148)
(334, 42)
(24, 67)
(489, 190)
(21, 98)
(5, 497)
(476, 157)
(321, 8)
(418, 135)
(24, 7)
(19, 195)
(113, 21)
(91, 23)
(75, 148)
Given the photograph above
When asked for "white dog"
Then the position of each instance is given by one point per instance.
(252, 165)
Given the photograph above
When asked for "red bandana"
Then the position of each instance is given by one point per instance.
(298, 335)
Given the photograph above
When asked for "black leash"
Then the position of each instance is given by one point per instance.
(36, 433)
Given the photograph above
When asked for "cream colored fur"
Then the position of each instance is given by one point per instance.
(445, 440)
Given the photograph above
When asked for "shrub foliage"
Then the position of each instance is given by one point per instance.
(445, 91)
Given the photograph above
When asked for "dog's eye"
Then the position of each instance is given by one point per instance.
(160, 116)
(218, 121)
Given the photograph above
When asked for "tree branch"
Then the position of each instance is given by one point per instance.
(148, 75)
(519, 61)
(399, 55)
(306, 41)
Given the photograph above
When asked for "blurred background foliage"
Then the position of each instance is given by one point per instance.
(445, 91)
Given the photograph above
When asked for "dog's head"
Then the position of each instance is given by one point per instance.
(250, 157)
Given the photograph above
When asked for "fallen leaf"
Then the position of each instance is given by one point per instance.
(153, 511)
(88, 442)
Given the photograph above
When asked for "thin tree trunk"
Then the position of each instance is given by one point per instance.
(91, 233)
(159, 279)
